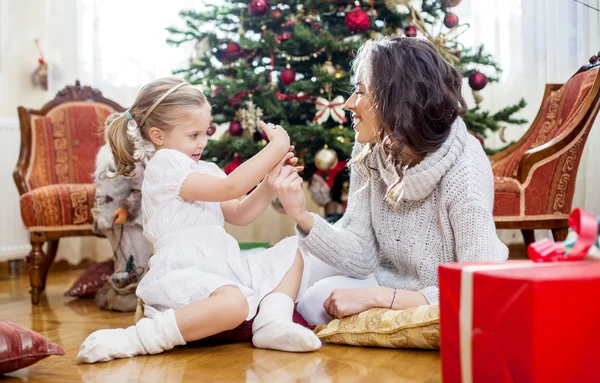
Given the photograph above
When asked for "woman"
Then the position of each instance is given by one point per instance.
(421, 188)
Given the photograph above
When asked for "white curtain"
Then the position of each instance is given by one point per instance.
(114, 45)
(536, 42)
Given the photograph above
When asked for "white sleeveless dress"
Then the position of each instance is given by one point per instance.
(193, 255)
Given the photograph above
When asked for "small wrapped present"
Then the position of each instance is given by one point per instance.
(524, 321)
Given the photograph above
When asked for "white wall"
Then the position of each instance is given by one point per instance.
(21, 21)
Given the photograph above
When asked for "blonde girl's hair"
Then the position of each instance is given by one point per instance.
(158, 104)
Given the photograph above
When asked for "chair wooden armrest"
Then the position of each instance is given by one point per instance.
(508, 151)
(568, 136)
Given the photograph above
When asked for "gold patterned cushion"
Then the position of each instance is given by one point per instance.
(416, 327)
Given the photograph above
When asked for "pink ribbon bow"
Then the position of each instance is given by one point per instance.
(584, 224)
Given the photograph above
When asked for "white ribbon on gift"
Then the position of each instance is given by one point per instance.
(333, 108)
(465, 312)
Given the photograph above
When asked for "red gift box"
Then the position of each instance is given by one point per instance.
(520, 321)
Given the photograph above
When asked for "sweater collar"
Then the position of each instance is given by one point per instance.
(420, 180)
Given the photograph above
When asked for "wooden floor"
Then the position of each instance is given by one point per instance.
(68, 321)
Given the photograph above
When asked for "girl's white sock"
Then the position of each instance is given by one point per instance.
(149, 336)
(274, 329)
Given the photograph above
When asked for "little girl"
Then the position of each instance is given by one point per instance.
(198, 283)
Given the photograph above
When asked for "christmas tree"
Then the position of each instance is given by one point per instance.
(289, 64)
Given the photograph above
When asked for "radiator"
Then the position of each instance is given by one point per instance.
(14, 238)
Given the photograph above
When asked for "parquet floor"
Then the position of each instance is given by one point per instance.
(68, 321)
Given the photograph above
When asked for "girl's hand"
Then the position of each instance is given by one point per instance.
(292, 159)
(120, 215)
(275, 133)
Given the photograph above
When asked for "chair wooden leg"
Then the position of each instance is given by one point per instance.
(52, 249)
(560, 234)
(528, 237)
(37, 272)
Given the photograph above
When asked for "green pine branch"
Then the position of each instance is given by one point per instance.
(319, 34)
(482, 121)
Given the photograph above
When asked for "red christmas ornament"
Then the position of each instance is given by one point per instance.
(235, 128)
(451, 20)
(357, 20)
(230, 167)
(452, 3)
(287, 76)
(276, 13)
(410, 31)
(264, 135)
(479, 138)
(211, 130)
(40, 75)
(477, 80)
(258, 7)
(232, 52)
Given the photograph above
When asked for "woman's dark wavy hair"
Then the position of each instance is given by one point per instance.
(414, 90)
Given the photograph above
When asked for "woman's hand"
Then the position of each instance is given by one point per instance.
(120, 216)
(287, 184)
(344, 302)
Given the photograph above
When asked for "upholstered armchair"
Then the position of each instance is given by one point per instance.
(535, 177)
(54, 176)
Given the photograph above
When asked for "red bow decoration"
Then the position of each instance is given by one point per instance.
(584, 224)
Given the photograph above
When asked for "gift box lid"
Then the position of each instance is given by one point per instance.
(532, 271)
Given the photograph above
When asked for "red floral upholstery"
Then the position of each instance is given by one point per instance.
(54, 173)
(58, 205)
(547, 189)
(65, 143)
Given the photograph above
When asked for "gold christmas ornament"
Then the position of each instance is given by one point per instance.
(394, 4)
(328, 68)
(502, 134)
(477, 96)
(339, 72)
(326, 159)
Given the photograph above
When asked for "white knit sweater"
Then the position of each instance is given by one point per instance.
(443, 215)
